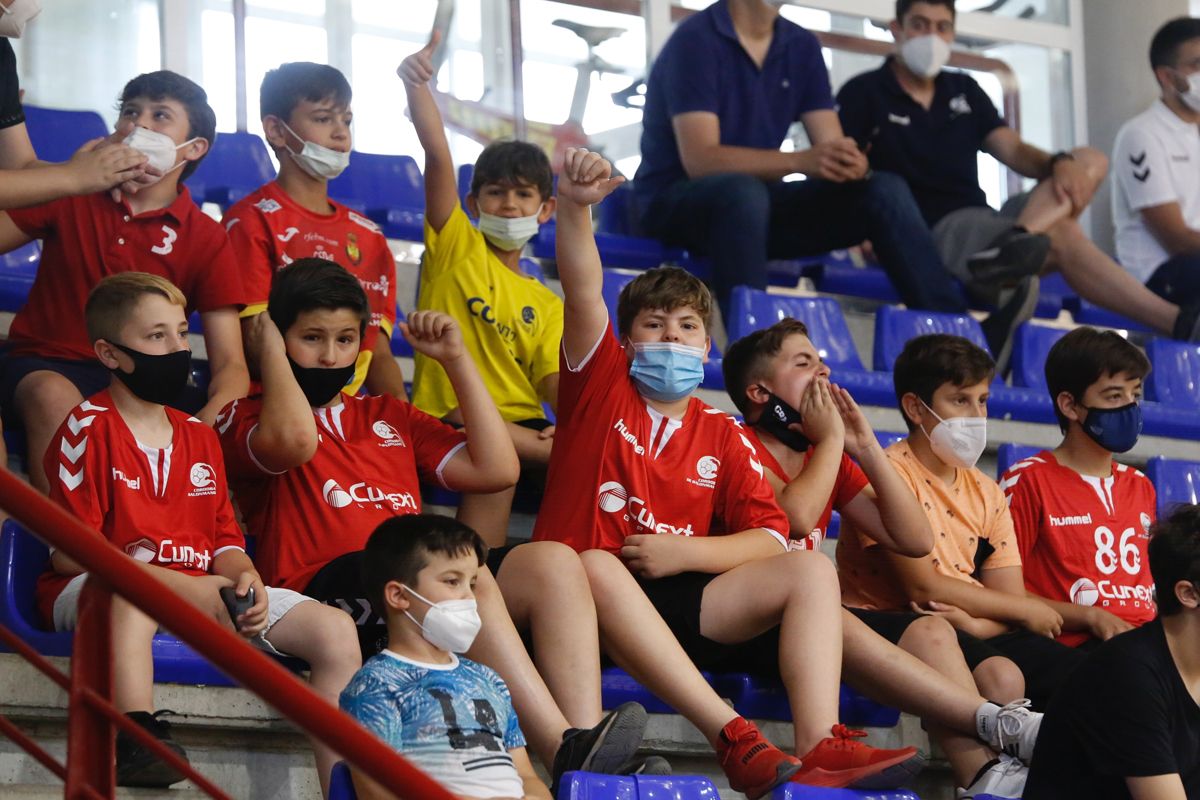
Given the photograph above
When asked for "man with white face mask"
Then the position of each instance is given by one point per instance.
(928, 125)
(1156, 197)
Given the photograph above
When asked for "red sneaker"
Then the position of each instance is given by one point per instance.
(840, 761)
(753, 765)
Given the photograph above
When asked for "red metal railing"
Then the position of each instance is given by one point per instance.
(90, 770)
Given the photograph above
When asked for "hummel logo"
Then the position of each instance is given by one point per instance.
(1143, 175)
(1138, 160)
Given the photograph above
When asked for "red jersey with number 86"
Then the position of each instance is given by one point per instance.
(1083, 539)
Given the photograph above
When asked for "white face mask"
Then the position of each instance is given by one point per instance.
(958, 441)
(925, 55)
(318, 161)
(1191, 97)
(450, 625)
(14, 18)
(159, 148)
(508, 233)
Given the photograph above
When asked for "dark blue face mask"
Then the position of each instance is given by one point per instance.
(1114, 429)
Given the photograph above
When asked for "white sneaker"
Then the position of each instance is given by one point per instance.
(1016, 730)
(1004, 778)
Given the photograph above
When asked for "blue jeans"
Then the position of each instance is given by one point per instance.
(1177, 280)
(740, 222)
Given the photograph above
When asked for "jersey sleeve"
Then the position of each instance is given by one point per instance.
(1000, 533)
(368, 700)
(434, 443)
(218, 282)
(689, 76)
(513, 736)
(545, 357)
(1142, 168)
(1024, 506)
(38, 222)
(387, 322)
(229, 534)
(450, 246)
(76, 463)
(851, 480)
(234, 425)
(250, 241)
(855, 112)
(817, 95)
(593, 378)
(745, 499)
(983, 110)
(11, 112)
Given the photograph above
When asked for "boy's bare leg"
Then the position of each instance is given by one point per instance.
(999, 680)
(546, 590)
(487, 515)
(43, 399)
(639, 641)
(499, 646)
(798, 591)
(133, 670)
(925, 675)
(327, 639)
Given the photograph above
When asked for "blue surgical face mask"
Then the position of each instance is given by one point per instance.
(1114, 429)
(666, 371)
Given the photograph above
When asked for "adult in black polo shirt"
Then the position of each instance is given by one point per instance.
(1127, 724)
(927, 125)
(720, 99)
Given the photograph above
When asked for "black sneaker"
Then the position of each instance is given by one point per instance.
(1011, 256)
(604, 748)
(1187, 324)
(650, 765)
(1000, 327)
(136, 765)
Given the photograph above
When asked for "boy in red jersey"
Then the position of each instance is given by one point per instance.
(1082, 520)
(637, 458)
(812, 439)
(316, 470)
(151, 480)
(49, 366)
(306, 119)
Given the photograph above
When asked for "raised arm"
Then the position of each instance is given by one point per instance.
(586, 179)
(286, 435)
(805, 497)
(230, 378)
(441, 188)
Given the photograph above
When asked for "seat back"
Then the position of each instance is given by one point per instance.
(375, 181)
(888, 438)
(56, 133)
(595, 786)
(1175, 482)
(895, 326)
(614, 282)
(341, 787)
(754, 309)
(22, 560)
(1029, 353)
(1175, 379)
(1008, 454)
(615, 214)
(237, 164)
(18, 268)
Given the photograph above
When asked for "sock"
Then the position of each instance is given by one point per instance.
(981, 772)
(986, 720)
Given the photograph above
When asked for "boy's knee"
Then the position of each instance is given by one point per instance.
(999, 680)
(547, 560)
(335, 638)
(929, 633)
(600, 564)
(740, 198)
(807, 565)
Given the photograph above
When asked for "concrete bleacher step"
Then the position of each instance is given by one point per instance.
(33, 791)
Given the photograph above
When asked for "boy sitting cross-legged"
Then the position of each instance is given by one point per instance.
(315, 471)
(820, 453)
(151, 480)
(640, 470)
(451, 716)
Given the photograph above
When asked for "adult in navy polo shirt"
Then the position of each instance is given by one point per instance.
(916, 120)
(720, 99)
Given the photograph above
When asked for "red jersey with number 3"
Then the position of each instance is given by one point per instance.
(167, 506)
(1083, 540)
(620, 468)
(372, 453)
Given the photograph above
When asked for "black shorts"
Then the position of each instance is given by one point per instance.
(677, 599)
(89, 376)
(342, 583)
(538, 424)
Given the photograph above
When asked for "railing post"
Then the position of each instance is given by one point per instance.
(91, 762)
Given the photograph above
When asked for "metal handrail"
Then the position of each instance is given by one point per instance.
(89, 771)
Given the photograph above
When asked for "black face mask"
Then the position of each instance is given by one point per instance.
(155, 379)
(775, 419)
(321, 384)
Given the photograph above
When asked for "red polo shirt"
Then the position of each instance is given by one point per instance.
(89, 237)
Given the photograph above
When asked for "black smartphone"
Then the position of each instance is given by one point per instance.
(237, 605)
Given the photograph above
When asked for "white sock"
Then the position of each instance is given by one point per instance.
(986, 721)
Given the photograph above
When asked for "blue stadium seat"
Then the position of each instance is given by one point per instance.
(617, 686)
(400, 345)
(341, 786)
(836, 273)
(1029, 353)
(56, 134)
(1085, 313)
(389, 188)
(1010, 453)
(1176, 482)
(464, 182)
(22, 560)
(1053, 295)
(753, 309)
(800, 791)
(594, 786)
(1175, 379)
(237, 165)
(888, 438)
(18, 268)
